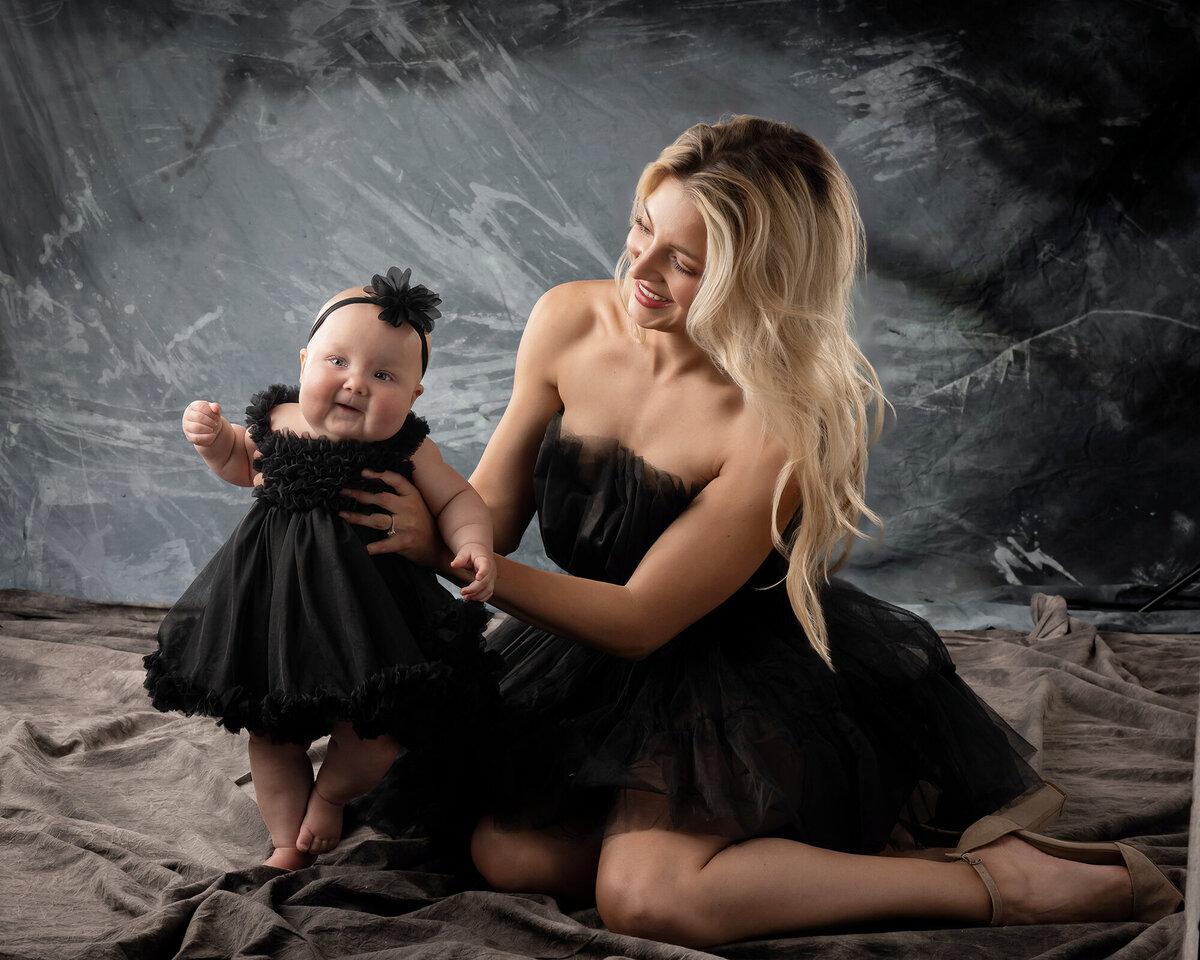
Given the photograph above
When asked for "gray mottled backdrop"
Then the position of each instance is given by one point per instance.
(184, 182)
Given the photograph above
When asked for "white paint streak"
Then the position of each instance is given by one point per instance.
(484, 243)
(372, 91)
(1008, 559)
(188, 332)
(996, 368)
(84, 206)
(382, 164)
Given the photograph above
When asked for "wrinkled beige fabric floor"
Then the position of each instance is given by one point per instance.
(126, 832)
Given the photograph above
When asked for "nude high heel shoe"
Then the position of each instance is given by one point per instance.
(1154, 896)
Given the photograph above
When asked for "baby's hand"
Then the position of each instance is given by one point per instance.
(479, 558)
(203, 423)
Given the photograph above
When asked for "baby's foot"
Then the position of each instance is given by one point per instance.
(321, 829)
(289, 858)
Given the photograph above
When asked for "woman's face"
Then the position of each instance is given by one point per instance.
(667, 245)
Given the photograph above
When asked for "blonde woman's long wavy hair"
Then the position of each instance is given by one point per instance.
(785, 244)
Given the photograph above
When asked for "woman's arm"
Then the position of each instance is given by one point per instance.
(710, 551)
(504, 475)
(699, 561)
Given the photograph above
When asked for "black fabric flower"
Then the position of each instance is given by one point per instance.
(416, 306)
(401, 303)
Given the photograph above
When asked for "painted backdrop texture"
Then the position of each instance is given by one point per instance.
(185, 181)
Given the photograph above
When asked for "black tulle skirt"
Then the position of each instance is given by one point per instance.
(744, 731)
(293, 626)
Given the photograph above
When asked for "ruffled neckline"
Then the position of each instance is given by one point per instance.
(593, 448)
(303, 472)
(403, 442)
(600, 505)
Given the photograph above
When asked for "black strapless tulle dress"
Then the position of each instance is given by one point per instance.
(736, 721)
(293, 625)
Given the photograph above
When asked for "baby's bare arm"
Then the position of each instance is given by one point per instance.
(225, 447)
(463, 518)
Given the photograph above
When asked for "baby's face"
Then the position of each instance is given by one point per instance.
(359, 376)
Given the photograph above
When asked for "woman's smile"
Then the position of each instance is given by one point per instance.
(648, 298)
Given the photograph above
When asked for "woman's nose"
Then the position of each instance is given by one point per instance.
(640, 259)
(637, 246)
(642, 268)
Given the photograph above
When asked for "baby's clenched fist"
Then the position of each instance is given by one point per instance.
(203, 423)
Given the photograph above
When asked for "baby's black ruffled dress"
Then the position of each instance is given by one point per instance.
(293, 625)
(736, 722)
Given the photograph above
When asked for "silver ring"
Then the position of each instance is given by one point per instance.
(392, 529)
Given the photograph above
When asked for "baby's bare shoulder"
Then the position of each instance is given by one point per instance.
(286, 418)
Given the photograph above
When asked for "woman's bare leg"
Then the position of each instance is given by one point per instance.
(560, 862)
(696, 889)
(283, 777)
(352, 767)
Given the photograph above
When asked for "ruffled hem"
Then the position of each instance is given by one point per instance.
(420, 704)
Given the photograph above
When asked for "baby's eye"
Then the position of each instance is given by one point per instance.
(384, 376)
(336, 361)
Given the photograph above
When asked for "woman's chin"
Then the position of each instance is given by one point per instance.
(652, 318)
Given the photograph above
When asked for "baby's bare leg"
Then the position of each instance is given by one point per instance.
(283, 778)
(351, 768)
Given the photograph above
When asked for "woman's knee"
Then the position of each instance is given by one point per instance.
(641, 897)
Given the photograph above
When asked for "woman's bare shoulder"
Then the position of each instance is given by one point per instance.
(580, 301)
(569, 312)
(577, 295)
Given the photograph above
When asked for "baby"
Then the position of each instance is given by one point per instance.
(293, 631)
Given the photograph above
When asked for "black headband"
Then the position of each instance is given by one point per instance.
(416, 306)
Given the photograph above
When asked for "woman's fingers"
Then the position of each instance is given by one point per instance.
(388, 499)
(397, 481)
(377, 521)
(406, 520)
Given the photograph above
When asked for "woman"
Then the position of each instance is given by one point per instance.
(708, 739)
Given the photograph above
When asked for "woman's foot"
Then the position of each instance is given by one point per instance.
(321, 829)
(1035, 887)
(289, 858)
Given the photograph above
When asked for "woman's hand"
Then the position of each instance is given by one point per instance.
(415, 533)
